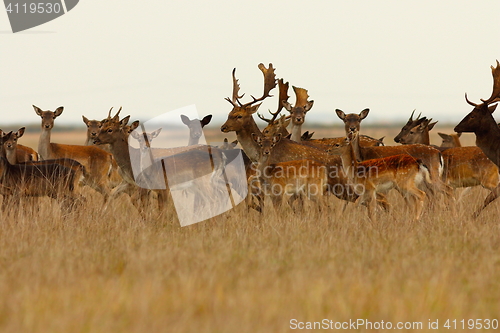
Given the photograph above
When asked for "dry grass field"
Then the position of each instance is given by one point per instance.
(111, 270)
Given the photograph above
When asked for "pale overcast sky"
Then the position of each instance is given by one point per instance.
(152, 57)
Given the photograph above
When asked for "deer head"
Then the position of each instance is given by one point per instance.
(114, 129)
(277, 126)
(241, 114)
(352, 121)
(450, 140)
(302, 105)
(195, 127)
(266, 143)
(481, 118)
(419, 133)
(48, 116)
(10, 139)
(409, 125)
(145, 139)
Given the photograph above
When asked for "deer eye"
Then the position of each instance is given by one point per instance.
(110, 130)
(239, 117)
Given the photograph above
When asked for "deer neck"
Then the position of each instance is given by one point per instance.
(44, 146)
(487, 138)
(11, 155)
(424, 138)
(349, 162)
(244, 136)
(262, 167)
(193, 141)
(356, 149)
(120, 151)
(296, 133)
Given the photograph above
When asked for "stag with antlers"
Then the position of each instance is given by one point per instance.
(480, 121)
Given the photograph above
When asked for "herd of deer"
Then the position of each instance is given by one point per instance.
(280, 164)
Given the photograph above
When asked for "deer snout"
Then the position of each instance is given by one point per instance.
(224, 128)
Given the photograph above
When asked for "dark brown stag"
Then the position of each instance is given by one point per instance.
(480, 121)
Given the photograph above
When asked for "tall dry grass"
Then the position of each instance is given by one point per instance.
(110, 270)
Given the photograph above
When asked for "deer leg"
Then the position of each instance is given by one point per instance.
(495, 192)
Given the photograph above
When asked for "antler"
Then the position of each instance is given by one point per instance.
(495, 95)
(469, 102)
(411, 116)
(269, 83)
(236, 88)
(283, 95)
(301, 95)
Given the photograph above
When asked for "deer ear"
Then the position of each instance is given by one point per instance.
(234, 143)
(308, 106)
(156, 133)
(206, 120)
(20, 132)
(134, 125)
(124, 121)
(277, 138)
(287, 105)
(37, 110)
(443, 135)
(256, 138)
(340, 114)
(459, 134)
(431, 126)
(58, 111)
(364, 113)
(492, 108)
(185, 119)
(85, 120)
(253, 108)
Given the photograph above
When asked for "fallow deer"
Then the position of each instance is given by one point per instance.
(195, 128)
(463, 166)
(409, 125)
(292, 179)
(450, 140)
(431, 157)
(298, 112)
(240, 120)
(98, 163)
(401, 172)
(23, 153)
(26, 180)
(481, 122)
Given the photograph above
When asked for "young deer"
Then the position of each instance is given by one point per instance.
(24, 180)
(145, 140)
(23, 153)
(430, 156)
(292, 179)
(450, 140)
(401, 172)
(10, 145)
(195, 128)
(409, 125)
(463, 166)
(99, 164)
